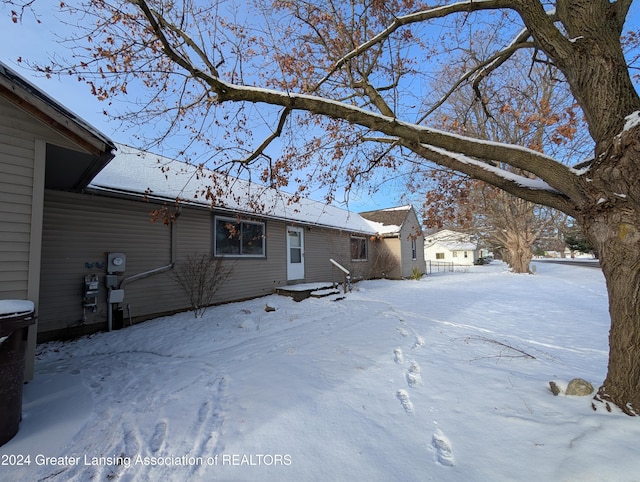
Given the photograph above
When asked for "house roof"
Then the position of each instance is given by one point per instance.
(65, 168)
(456, 246)
(133, 172)
(451, 240)
(387, 221)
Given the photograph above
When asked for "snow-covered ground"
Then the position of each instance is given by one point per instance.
(442, 379)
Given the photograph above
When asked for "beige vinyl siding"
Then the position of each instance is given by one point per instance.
(321, 245)
(407, 259)
(16, 179)
(17, 124)
(17, 154)
(395, 248)
(21, 179)
(80, 230)
(409, 229)
(22, 176)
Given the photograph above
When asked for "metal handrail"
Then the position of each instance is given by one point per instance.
(347, 274)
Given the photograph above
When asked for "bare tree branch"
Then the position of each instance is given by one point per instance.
(479, 72)
(261, 148)
(421, 16)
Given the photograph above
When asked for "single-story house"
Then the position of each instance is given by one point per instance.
(78, 237)
(401, 233)
(451, 247)
(263, 235)
(43, 147)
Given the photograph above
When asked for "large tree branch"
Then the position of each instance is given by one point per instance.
(559, 177)
(533, 190)
(500, 58)
(156, 25)
(590, 37)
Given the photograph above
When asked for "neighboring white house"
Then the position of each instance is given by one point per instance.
(451, 247)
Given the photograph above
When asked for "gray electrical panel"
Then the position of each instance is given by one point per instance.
(116, 262)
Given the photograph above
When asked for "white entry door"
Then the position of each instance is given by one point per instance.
(295, 253)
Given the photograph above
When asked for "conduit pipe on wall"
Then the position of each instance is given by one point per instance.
(151, 272)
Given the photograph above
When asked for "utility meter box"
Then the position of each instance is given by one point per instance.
(115, 296)
(116, 262)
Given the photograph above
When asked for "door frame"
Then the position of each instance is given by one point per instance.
(295, 269)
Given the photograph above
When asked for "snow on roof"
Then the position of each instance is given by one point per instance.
(382, 228)
(456, 246)
(133, 171)
(447, 234)
(387, 221)
(451, 240)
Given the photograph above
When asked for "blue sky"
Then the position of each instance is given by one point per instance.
(37, 42)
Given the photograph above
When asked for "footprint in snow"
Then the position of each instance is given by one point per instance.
(419, 342)
(398, 356)
(403, 396)
(159, 436)
(131, 439)
(402, 331)
(442, 446)
(413, 374)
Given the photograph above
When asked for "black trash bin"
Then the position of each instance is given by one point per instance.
(15, 318)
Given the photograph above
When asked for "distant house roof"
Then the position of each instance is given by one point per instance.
(451, 240)
(137, 173)
(387, 221)
(65, 168)
(453, 246)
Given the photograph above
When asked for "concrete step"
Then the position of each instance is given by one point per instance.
(302, 291)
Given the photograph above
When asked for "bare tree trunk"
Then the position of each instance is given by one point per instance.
(620, 260)
(613, 225)
(520, 254)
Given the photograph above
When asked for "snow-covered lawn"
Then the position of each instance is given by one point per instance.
(442, 379)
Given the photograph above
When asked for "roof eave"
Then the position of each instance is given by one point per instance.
(134, 195)
(30, 99)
